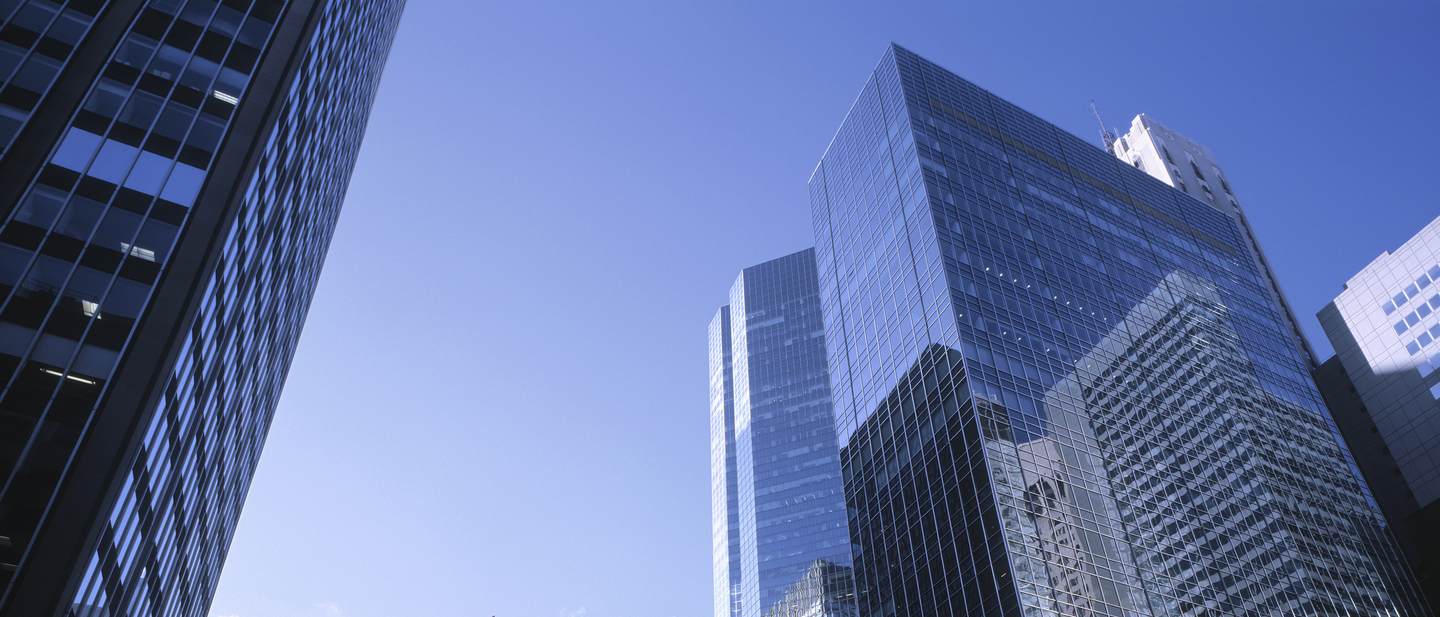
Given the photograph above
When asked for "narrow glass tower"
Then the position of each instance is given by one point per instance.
(780, 543)
(170, 178)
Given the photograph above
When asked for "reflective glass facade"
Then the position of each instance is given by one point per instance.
(781, 545)
(1061, 389)
(156, 270)
(724, 498)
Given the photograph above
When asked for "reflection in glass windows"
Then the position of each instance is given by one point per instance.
(1059, 387)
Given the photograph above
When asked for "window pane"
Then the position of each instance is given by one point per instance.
(118, 230)
(80, 218)
(75, 152)
(113, 162)
(41, 207)
(149, 173)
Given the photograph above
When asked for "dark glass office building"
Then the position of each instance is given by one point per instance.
(1061, 387)
(780, 543)
(170, 178)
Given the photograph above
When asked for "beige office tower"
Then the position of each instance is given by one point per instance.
(1176, 160)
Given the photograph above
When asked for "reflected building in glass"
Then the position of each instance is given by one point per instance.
(171, 175)
(1062, 387)
(781, 548)
(1182, 163)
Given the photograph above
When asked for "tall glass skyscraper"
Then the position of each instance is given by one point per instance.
(171, 176)
(1062, 388)
(780, 542)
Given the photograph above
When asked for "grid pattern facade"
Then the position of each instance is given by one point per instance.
(37, 42)
(1060, 388)
(1385, 390)
(790, 497)
(92, 240)
(80, 256)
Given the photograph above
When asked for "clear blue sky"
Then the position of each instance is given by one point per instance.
(499, 406)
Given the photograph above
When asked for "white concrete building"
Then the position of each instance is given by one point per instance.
(1178, 161)
(1383, 388)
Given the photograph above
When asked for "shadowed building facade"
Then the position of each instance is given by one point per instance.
(780, 543)
(1062, 387)
(171, 176)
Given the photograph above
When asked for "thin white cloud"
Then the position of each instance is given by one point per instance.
(330, 608)
(572, 612)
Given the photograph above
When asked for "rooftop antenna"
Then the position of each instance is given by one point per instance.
(1105, 136)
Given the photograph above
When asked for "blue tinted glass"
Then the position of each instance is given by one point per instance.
(793, 547)
(1051, 366)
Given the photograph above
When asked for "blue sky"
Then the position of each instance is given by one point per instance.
(499, 406)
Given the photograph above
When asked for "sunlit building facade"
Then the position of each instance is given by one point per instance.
(781, 547)
(171, 176)
(1383, 385)
(1061, 387)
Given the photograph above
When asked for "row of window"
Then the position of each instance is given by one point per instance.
(899, 456)
(1424, 339)
(35, 45)
(89, 278)
(1270, 345)
(204, 440)
(789, 498)
(1412, 290)
(1180, 180)
(1423, 310)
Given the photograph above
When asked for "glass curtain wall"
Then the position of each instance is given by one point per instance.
(1060, 388)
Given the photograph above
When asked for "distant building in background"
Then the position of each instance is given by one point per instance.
(1176, 160)
(781, 547)
(1062, 388)
(1383, 385)
(171, 173)
(724, 486)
